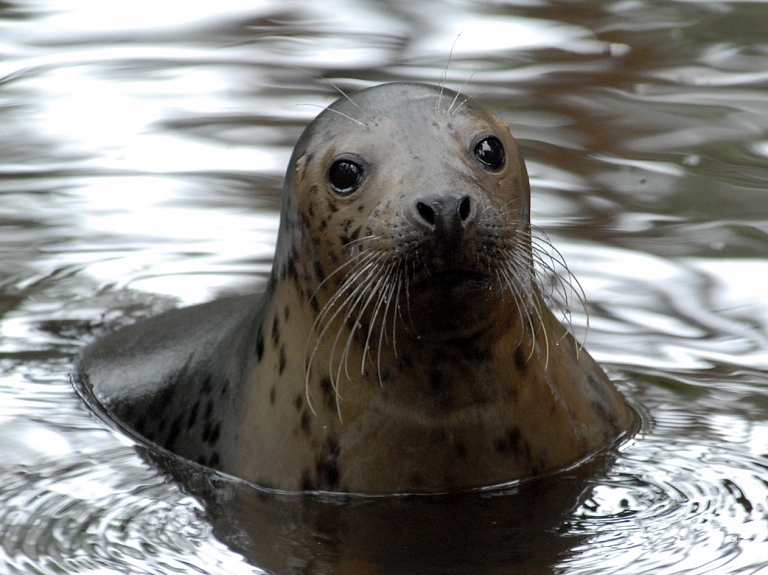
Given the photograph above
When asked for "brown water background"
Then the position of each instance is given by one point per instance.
(142, 147)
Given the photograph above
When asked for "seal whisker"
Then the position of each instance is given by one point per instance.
(506, 215)
(332, 84)
(348, 282)
(509, 273)
(408, 299)
(359, 267)
(354, 300)
(393, 290)
(359, 286)
(377, 308)
(463, 87)
(352, 261)
(506, 284)
(465, 100)
(371, 270)
(551, 260)
(372, 283)
(517, 267)
(444, 74)
(350, 118)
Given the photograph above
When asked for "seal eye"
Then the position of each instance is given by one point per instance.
(345, 176)
(490, 152)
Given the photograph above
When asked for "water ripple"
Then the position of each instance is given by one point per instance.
(76, 518)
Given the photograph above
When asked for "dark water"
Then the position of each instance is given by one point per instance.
(142, 147)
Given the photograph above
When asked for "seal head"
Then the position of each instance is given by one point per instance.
(402, 343)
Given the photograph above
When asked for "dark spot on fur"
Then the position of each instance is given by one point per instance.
(161, 424)
(174, 432)
(305, 422)
(225, 388)
(215, 460)
(331, 203)
(193, 415)
(327, 466)
(513, 445)
(461, 450)
(509, 443)
(306, 481)
(283, 361)
(323, 225)
(314, 304)
(356, 233)
(298, 402)
(276, 331)
(215, 434)
(329, 395)
(521, 360)
(360, 208)
(207, 386)
(272, 395)
(208, 410)
(290, 270)
(286, 313)
(201, 460)
(319, 272)
(259, 345)
(211, 433)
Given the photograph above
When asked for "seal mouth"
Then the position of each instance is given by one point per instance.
(452, 281)
(456, 277)
(452, 303)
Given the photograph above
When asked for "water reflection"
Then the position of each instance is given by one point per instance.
(141, 157)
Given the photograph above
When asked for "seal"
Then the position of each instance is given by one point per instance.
(402, 343)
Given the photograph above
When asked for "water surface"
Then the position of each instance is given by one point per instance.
(142, 148)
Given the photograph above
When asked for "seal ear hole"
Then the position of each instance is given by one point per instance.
(490, 153)
(345, 176)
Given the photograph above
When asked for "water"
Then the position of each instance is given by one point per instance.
(142, 147)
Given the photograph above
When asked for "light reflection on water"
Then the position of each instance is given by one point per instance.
(141, 157)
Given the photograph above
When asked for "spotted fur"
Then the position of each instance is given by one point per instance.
(402, 343)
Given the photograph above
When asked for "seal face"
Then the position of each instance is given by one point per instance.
(402, 343)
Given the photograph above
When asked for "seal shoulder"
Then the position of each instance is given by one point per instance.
(152, 378)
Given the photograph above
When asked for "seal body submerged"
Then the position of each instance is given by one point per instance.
(401, 343)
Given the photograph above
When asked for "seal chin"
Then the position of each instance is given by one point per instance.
(452, 303)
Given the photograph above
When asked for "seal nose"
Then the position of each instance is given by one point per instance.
(445, 212)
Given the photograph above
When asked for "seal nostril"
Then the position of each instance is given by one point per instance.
(426, 212)
(465, 207)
